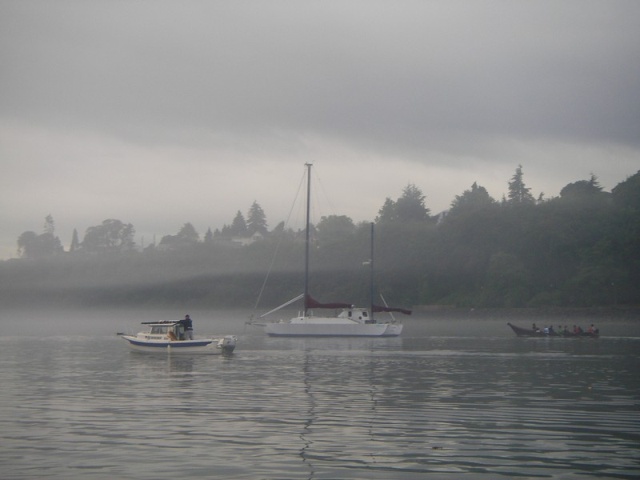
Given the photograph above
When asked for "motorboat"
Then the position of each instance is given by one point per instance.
(168, 336)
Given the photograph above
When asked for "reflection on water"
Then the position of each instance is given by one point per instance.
(424, 405)
(307, 424)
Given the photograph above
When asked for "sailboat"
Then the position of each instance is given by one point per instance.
(350, 321)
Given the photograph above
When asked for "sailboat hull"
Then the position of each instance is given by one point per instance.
(315, 329)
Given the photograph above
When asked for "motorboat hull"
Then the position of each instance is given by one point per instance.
(211, 346)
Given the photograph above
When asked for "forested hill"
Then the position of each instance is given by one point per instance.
(581, 249)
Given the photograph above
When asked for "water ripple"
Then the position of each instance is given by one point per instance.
(446, 407)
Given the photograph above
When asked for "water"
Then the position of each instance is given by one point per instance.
(448, 399)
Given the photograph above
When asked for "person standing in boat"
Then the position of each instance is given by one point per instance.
(188, 327)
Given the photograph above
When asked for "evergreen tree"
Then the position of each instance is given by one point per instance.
(279, 227)
(208, 237)
(519, 194)
(256, 220)
(387, 212)
(49, 225)
(476, 197)
(467, 237)
(75, 242)
(408, 208)
(238, 226)
(188, 234)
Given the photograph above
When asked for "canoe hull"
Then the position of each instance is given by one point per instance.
(528, 332)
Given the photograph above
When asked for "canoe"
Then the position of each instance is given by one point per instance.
(530, 332)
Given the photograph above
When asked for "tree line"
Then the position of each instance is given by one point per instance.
(579, 249)
(114, 236)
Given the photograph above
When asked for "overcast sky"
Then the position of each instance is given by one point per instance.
(159, 113)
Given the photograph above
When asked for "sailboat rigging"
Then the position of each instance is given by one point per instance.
(351, 321)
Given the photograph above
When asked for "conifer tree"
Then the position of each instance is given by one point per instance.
(75, 242)
(256, 220)
(519, 193)
(238, 226)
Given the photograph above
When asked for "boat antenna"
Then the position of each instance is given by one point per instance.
(306, 239)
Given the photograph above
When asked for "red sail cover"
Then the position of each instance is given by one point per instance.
(310, 302)
(378, 309)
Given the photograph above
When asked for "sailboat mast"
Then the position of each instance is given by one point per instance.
(306, 239)
(371, 293)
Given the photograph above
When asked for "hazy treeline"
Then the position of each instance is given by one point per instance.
(579, 249)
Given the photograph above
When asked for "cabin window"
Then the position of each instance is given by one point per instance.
(364, 314)
(158, 330)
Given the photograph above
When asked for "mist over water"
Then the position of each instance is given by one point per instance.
(448, 399)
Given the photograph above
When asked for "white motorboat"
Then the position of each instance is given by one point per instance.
(350, 321)
(167, 336)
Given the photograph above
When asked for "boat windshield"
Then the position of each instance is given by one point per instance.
(159, 329)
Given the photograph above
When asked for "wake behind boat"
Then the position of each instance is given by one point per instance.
(168, 336)
(351, 321)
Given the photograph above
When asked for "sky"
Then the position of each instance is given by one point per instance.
(158, 113)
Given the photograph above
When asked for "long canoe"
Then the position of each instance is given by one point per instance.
(530, 332)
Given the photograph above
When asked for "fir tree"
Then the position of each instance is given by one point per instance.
(238, 226)
(519, 194)
(75, 242)
(256, 220)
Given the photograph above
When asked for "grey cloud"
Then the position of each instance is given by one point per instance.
(155, 94)
(393, 75)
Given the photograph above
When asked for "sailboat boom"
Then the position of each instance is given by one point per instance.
(283, 305)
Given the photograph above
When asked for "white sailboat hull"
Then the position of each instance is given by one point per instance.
(333, 327)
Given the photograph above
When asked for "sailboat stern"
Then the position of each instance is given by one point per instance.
(393, 330)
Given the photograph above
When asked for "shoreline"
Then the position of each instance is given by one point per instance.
(441, 311)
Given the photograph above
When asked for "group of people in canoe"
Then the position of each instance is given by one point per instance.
(577, 330)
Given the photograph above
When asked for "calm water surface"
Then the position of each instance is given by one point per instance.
(448, 399)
